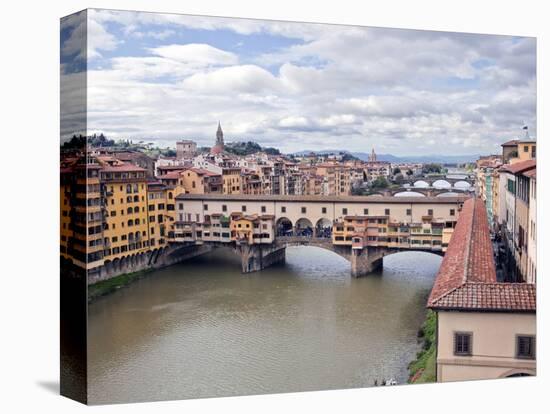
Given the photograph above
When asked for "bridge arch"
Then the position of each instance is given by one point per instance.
(421, 184)
(441, 184)
(448, 194)
(323, 228)
(283, 226)
(409, 194)
(304, 227)
(463, 185)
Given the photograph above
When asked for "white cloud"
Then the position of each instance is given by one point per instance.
(193, 53)
(401, 91)
(233, 79)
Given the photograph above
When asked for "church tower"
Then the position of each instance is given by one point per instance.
(218, 147)
(219, 136)
(372, 156)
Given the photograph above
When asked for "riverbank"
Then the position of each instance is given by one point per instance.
(422, 369)
(105, 287)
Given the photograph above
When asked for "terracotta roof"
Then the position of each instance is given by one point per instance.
(122, 168)
(172, 167)
(519, 167)
(202, 171)
(172, 175)
(467, 277)
(491, 296)
(511, 143)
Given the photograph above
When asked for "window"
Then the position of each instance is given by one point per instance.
(243, 209)
(525, 347)
(463, 343)
(303, 209)
(511, 185)
(180, 206)
(387, 211)
(452, 211)
(525, 148)
(263, 209)
(409, 212)
(206, 207)
(283, 209)
(366, 211)
(430, 212)
(324, 210)
(224, 208)
(344, 211)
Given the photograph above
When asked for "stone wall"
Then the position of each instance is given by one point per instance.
(155, 259)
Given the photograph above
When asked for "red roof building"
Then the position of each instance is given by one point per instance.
(467, 277)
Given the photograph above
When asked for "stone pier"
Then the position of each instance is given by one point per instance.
(365, 261)
(258, 257)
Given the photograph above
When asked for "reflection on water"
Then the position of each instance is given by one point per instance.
(202, 329)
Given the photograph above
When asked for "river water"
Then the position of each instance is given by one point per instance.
(203, 329)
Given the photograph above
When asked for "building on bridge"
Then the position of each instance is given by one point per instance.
(360, 229)
(485, 329)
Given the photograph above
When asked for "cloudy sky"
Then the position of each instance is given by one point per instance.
(296, 86)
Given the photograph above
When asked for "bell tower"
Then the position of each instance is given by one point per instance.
(219, 136)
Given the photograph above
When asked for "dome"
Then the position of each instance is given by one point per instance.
(421, 184)
(440, 184)
(409, 194)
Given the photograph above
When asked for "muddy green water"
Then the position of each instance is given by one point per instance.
(203, 329)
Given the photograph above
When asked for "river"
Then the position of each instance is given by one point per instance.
(203, 329)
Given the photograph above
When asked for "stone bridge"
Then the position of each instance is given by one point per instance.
(363, 261)
(449, 181)
(309, 221)
(414, 191)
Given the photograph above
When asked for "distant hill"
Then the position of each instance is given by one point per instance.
(441, 159)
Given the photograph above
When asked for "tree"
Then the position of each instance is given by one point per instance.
(380, 182)
(431, 168)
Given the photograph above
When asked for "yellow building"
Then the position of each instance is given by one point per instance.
(253, 229)
(161, 214)
(81, 213)
(199, 181)
(527, 150)
(338, 178)
(126, 231)
(232, 183)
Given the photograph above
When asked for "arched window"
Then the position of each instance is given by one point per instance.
(136, 209)
(136, 221)
(128, 188)
(129, 199)
(170, 196)
(136, 198)
(130, 223)
(129, 211)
